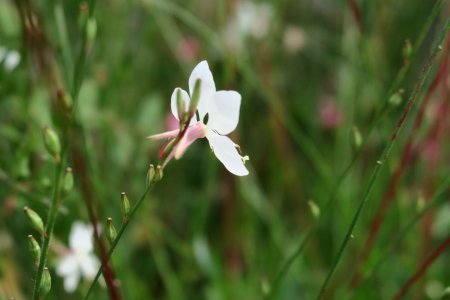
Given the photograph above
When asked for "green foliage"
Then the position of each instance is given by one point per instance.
(322, 91)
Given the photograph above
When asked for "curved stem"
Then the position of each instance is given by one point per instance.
(119, 235)
(50, 224)
(384, 156)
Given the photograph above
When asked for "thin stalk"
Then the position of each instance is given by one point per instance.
(162, 160)
(64, 41)
(51, 219)
(384, 156)
(119, 235)
(435, 200)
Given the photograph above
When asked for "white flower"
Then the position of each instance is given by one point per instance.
(10, 59)
(222, 111)
(250, 20)
(80, 259)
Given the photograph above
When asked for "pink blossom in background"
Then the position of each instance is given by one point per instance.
(330, 114)
(188, 49)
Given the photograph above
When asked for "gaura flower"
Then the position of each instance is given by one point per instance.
(80, 259)
(217, 115)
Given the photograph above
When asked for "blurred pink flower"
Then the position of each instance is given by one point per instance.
(188, 49)
(329, 114)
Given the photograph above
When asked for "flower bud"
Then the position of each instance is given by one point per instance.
(159, 173)
(181, 107)
(396, 99)
(91, 33)
(68, 180)
(35, 250)
(125, 206)
(195, 97)
(35, 219)
(51, 141)
(356, 138)
(407, 50)
(46, 283)
(111, 232)
(315, 210)
(150, 174)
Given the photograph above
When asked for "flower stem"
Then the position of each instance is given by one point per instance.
(119, 235)
(384, 156)
(57, 187)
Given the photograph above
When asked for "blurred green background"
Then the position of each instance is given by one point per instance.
(308, 72)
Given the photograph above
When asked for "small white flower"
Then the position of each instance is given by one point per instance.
(80, 259)
(10, 59)
(250, 20)
(222, 108)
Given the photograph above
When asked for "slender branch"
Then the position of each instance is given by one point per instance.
(51, 219)
(422, 269)
(384, 156)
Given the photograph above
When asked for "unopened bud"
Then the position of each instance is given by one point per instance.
(35, 250)
(181, 107)
(35, 219)
(396, 99)
(111, 232)
(195, 97)
(46, 283)
(150, 174)
(125, 206)
(407, 50)
(51, 141)
(91, 32)
(420, 204)
(315, 210)
(159, 173)
(356, 138)
(68, 180)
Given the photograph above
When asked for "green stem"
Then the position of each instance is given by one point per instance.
(435, 200)
(119, 235)
(383, 158)
(51, 219)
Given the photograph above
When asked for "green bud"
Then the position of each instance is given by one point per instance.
(195, 97)
(125, 206)
(181, 107)
(420, 204)
(46, 283)
(407, 50)
(396, 99)
(315, 210)
(150, 174)
(111, 232)
(51, 141)
(356, 138)
(91, 32)
(35, 250)
(68, 180)
(35, 220)
(159, 173)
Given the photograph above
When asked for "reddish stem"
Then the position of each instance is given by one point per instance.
(406, 160)
(422, 269)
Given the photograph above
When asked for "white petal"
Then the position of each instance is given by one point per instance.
(224, 112)
(67, 265)
(208, 87)
(71, 282)
(12, 59)
(80, 239)
(173, 101)
(89, 265)
(225, 150)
